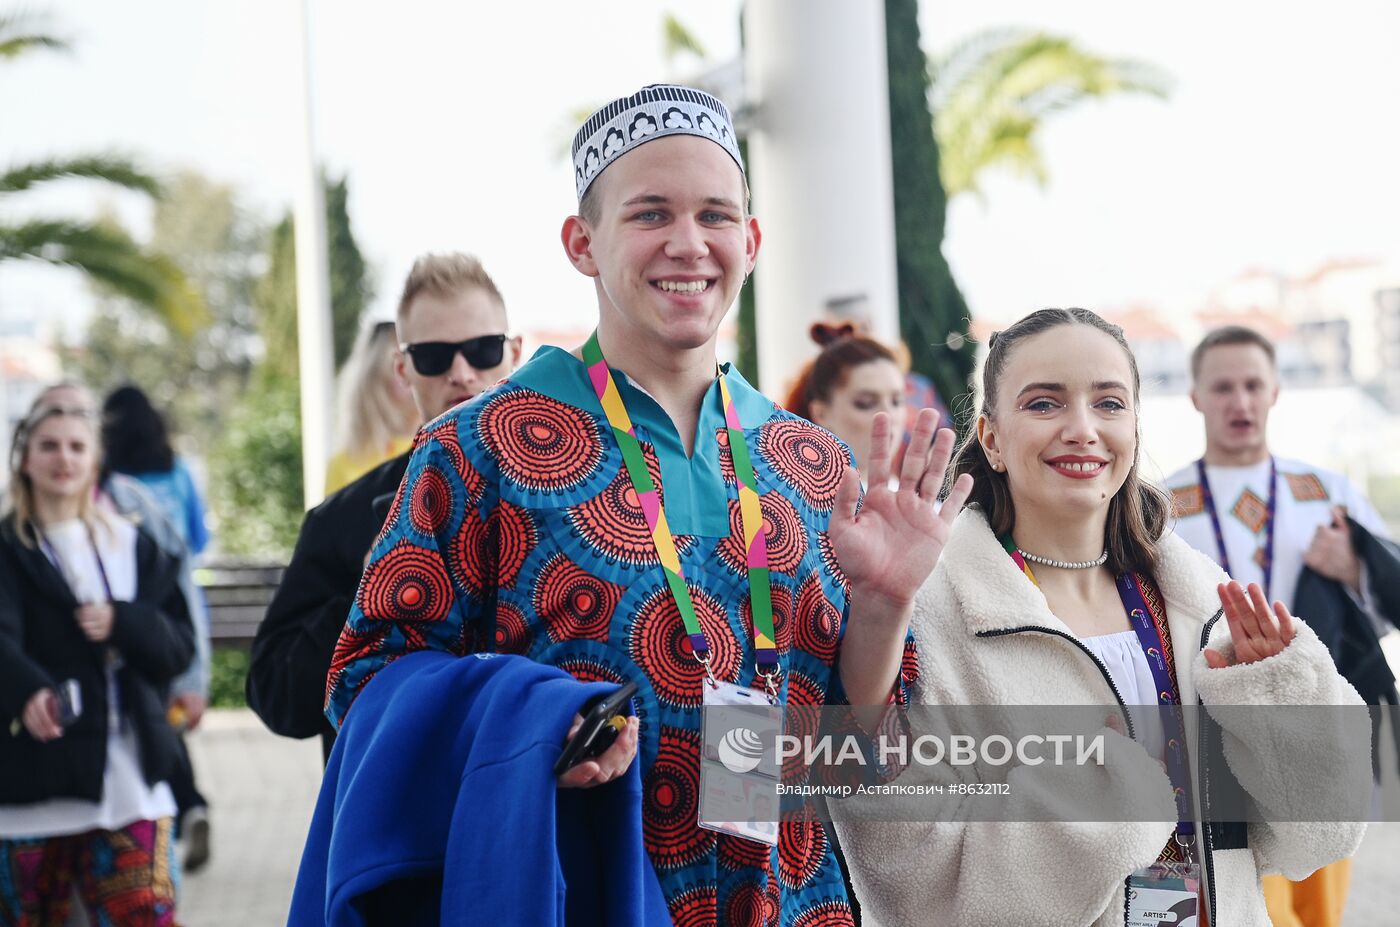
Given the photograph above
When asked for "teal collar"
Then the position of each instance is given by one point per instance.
(697, 499)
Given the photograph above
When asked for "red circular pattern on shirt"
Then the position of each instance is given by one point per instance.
(351, 646)
(694, 907)
(472, 556)
(908, 669)
(513, 533)
(574, 604)
(444, 432)
(801, 851)
(659, 643)
(541, 444)
(826, 914)
(430, 504)
(806, 458)
(408, 583)
(802, 720)
(512, 630)
(613, 522)
(735, 853)
(746, 905)
(773, 899)
(782, 617)
(830, 564)
(394, 508)
(785, 535)
(671, 803)
(817, 623)
(587, 669)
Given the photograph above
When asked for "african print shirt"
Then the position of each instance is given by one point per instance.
(517, 529)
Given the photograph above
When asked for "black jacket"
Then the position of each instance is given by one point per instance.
(1346, 629)
(296, 640)
(41, 645)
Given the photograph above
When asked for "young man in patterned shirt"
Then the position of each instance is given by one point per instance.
(528, 518)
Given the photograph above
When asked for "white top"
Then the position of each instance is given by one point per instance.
(1121, 653)
(1305, 497)
(126, 798)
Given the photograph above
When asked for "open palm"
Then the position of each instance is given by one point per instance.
(890, 547)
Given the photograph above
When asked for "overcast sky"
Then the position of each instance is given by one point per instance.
(1277, 148)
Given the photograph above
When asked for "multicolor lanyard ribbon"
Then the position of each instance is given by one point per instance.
(751, 514)
(1150, 639)
(1153, 648)
(1267, 562)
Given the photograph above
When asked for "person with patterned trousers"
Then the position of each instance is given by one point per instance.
(593, 512)
(1270, 520)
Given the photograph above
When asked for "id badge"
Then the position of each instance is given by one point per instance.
(739, 771)
(1164, 894)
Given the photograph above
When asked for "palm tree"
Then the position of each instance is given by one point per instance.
(101, 250)
(991, 93)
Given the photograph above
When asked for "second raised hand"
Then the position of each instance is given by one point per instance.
(1253, 628)
(891, 546)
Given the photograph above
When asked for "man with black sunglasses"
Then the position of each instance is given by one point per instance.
(454, 343)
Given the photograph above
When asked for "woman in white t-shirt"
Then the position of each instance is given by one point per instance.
(92, 630)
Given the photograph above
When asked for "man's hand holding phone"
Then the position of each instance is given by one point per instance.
(584, 762)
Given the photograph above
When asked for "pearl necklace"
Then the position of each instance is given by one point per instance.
(1098, 561)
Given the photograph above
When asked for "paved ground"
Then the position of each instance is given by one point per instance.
(263, 789)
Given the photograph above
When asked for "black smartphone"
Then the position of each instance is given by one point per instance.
(70, 702)
(603, 717)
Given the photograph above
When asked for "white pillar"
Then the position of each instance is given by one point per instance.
(819, 159)
(315, 354)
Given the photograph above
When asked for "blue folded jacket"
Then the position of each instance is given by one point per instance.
(439, 806)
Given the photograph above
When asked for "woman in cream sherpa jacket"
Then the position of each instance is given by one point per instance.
(987, 635)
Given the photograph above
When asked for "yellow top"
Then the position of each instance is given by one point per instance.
(345, 469)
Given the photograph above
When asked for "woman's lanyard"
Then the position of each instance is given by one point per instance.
(755, 541)
(57, 561)
(1150, 639)
(1153, 648)
(1265, 556)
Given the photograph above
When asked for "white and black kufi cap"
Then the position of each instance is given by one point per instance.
(653, 112)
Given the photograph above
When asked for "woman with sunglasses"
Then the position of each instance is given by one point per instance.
(92, 629)
(1061, 586)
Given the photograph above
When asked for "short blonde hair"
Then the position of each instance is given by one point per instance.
(444, 275)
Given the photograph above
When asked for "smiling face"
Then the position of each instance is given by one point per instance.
(671, 243)
(1235, 388)
(60, 457)
(1064, 429)
(849, 412)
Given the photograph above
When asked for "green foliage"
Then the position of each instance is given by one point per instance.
(992, 93)
(255, 477)
(193, 377)
(25, 32)
(276, 293)
(677, 40)
(228, 674)
(103, 252)
(933, 317)
(257, 485)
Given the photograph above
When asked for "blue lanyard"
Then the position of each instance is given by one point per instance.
(1268, 551)
(1135, 603)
